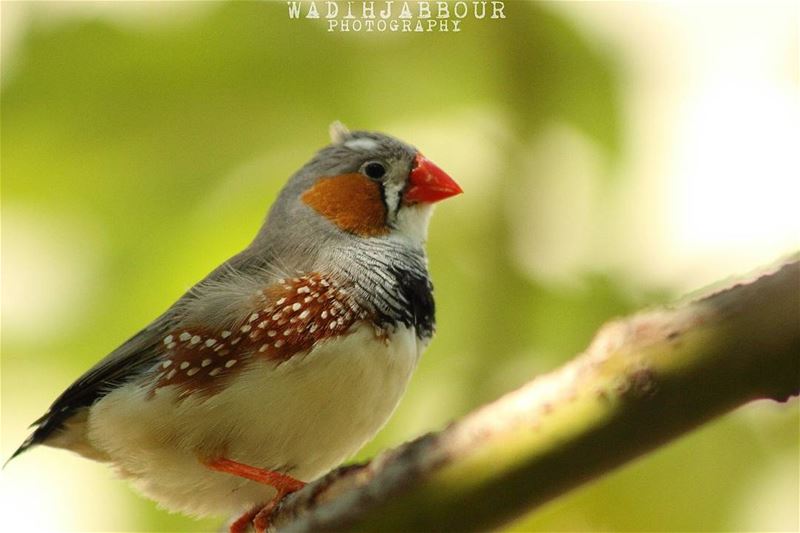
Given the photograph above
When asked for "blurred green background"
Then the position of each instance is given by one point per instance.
(613, 156)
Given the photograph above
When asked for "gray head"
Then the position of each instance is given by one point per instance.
(363, 186)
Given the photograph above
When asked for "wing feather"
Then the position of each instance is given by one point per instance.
(208, 301)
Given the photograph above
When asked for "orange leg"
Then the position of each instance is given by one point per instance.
(281, 482)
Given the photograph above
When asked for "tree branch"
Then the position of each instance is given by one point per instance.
(643, 381)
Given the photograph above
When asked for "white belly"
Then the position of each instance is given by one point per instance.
(302, 417)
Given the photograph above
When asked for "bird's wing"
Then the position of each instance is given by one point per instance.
(281, 320)
(143, 350)
(237, 315)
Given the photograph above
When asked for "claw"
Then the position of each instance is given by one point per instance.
(261, 521)
(242, 524)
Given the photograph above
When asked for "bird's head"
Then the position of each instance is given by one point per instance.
(362, 185)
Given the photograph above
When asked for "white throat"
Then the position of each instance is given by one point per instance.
(411, 224)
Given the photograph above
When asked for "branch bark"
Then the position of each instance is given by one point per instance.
(643, 381)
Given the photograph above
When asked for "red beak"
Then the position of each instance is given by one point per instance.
(429, 183)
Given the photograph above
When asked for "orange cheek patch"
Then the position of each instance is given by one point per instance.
(352, 202)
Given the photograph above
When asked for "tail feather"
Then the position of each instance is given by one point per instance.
(27, 443)
(43, 429)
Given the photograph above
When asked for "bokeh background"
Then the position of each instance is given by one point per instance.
(613, 156)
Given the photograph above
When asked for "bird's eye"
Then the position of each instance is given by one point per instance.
(374, 170)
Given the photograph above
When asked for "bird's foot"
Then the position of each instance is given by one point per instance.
(259, 516)
(242, 524)
(263, 517)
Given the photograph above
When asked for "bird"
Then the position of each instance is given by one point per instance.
(283, 361)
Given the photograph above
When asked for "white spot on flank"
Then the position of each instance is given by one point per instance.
(236, 340)
(287, 332)
(225, 334)
(195, 339)
(192, 371)
(313, 328)
(302, 290)
(171, 374)
(324, 314)
(262, 324)
(184, 365)
(307, 299)
(279, 343)
(296, 307)
(205, 362)
(185, 336)
(272, 333)
(281, 301)
(168, 339)
(215, 371)
(171, 345)
(245, 329)
(332, 324)
(166, 364)
(211, 342)
(276, 316)
(304, 314)
(252, 317)
(263, 348)
(230, 363)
